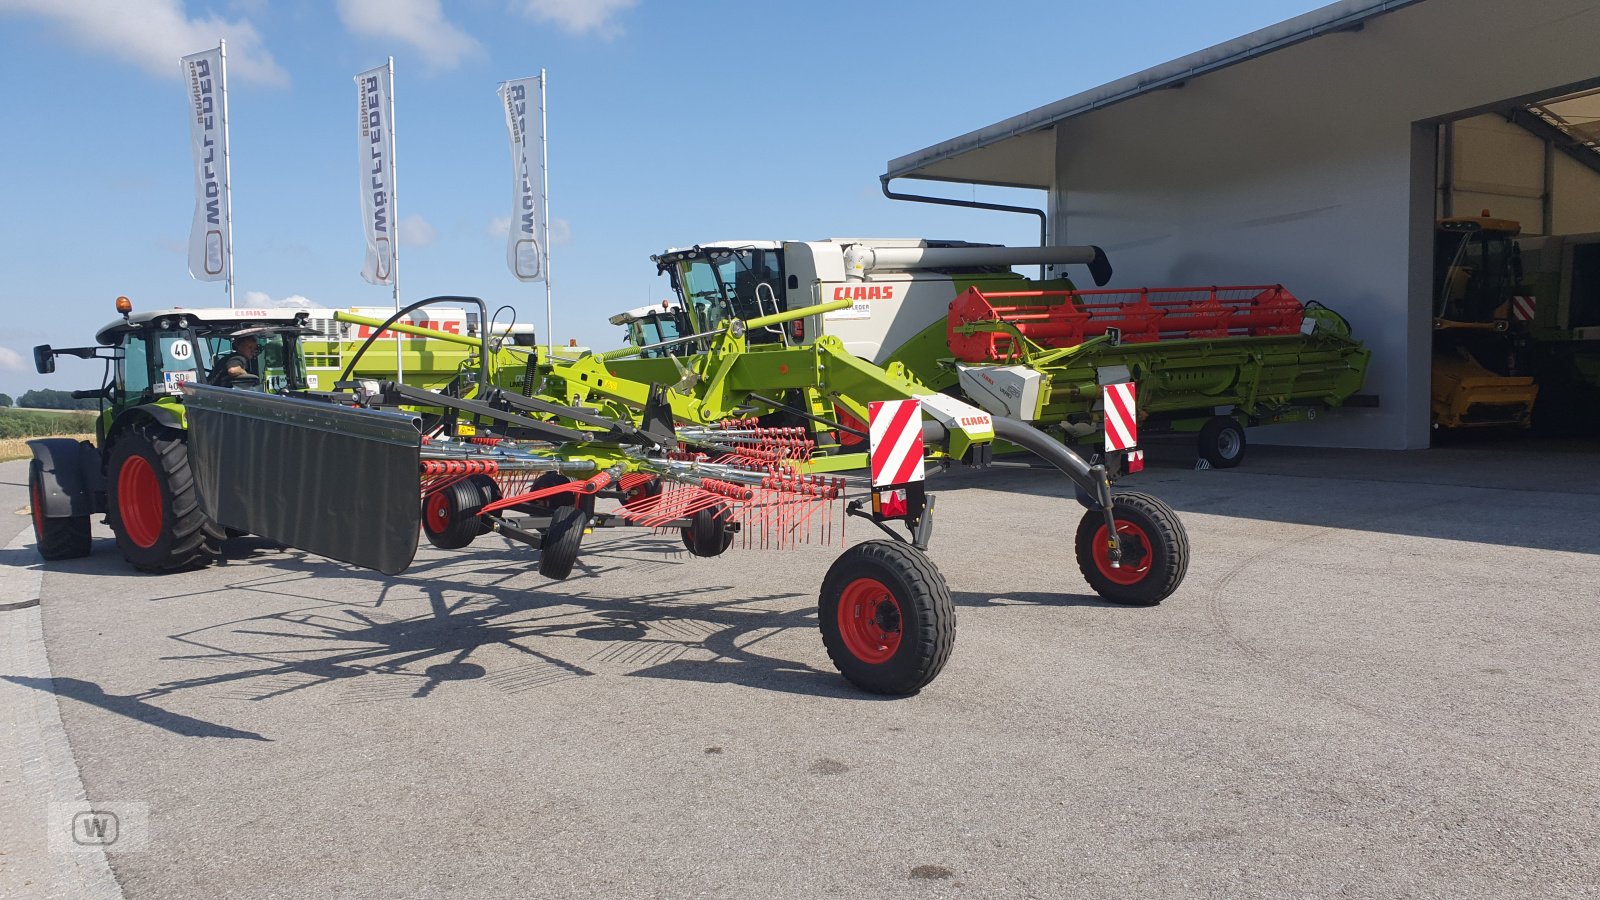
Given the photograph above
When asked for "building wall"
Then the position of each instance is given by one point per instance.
(1308, 167)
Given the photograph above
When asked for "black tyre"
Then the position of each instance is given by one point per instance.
(561, 542)
(152, 502)
(489, 490)
(886, 616)
(450, 515)
(66, 537)
(709, 533)
(1221, 442)
(548, 504)
(1155, 551)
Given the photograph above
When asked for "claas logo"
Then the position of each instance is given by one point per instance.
(864, 292)
(448, 326)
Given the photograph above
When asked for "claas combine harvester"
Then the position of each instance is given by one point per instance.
(954, 316)
(708, 455)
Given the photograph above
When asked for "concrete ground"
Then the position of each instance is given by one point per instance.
(1380, 679)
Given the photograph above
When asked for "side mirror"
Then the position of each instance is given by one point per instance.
(44, 359)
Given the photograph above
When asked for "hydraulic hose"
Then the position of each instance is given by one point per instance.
(483, 338)
(1035, 441)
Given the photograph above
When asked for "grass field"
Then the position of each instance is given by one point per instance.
(17, 426)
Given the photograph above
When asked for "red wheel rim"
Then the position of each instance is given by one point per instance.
(869, 621)
(139, 501)
(37, 503)
(1136, 553)
(436, 513)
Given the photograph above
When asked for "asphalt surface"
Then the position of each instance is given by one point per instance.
(1378, 680)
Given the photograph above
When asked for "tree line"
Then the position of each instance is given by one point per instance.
(48, 399)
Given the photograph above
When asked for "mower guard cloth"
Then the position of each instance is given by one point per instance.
(332, 480)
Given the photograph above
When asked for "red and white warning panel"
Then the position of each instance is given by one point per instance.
(1122, 426)
(894, 429)
(1523, 308)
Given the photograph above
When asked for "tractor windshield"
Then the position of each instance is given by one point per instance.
(718, 284)
(1476, 274)
(277, 363)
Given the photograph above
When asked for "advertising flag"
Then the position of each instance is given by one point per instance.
(526, 253)
(208, 138)
(375, 150)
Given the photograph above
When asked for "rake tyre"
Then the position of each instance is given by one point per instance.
(562, 540)
(152, 504)
(450, 515)
(65, 537)
(489, 490)
(709, 533)
(1154, 545)
(887, 619)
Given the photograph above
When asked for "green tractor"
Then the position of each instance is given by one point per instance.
(137, 471)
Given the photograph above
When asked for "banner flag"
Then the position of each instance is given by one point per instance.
(525, 251)
(208, 137)
(375, 148)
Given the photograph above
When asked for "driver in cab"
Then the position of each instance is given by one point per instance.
(237, 368)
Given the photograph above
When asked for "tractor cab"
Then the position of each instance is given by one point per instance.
(1477, 269)
(725, 280)
(159, 351)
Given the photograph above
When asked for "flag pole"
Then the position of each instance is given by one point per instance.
(544, 170)
(394, 206)
(227, 166)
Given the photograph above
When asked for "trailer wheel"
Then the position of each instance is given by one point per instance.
(887, 618)
(1221, 442)
(561, 541)
(1155, 551)
(450, 515)
(65, 537)
(152, 502)
(550, 480)
(708, 533)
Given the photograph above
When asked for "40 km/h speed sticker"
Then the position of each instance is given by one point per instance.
(181, 350)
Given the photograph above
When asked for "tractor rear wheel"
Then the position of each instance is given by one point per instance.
(887, 618)
(559, 551)
(450, 514)
(153, 504)
(1155, 551)
(65, 537)
(709, 533)
(1221, 442)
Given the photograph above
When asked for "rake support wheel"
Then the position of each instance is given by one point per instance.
(708, 533)
(887, 618)
(561, 541)
(1155, 551)
(450, 514)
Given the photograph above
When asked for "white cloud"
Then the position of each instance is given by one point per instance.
(580, 16)
(560, 230)
(262, 299)
(420, 23)
(415, 231)
(153, 34)
(12, 361)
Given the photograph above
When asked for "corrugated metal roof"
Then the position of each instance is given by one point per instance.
(1336, 17)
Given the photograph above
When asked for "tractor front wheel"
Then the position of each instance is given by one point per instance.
(65, 537)
(1153, 544)
(152, 500)
(887, 618)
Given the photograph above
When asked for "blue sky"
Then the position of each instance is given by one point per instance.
(670, 123)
